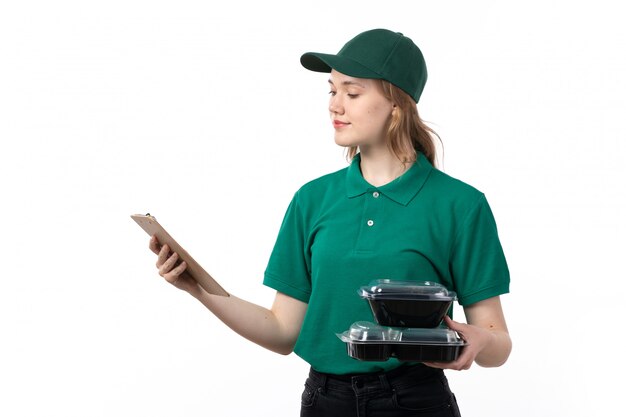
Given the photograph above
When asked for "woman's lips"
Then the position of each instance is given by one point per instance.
(339, 124)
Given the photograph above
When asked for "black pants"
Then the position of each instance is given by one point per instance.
(415, 390)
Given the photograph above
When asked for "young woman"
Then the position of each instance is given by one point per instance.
(389, 214)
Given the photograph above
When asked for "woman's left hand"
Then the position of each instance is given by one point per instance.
(487, 340)
(476, 338)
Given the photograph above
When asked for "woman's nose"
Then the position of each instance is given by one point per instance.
(335, 105)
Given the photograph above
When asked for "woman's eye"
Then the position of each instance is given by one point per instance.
(334, 93)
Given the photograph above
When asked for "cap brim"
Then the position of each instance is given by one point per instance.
(318, 62)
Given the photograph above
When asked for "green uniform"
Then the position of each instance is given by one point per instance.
(340, 233)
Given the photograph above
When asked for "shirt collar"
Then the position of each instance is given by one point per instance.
(401, 190)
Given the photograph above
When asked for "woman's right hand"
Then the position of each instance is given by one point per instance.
(172, 270)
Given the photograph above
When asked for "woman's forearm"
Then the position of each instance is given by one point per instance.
(276, 329)
(492, 340)
(497, 351)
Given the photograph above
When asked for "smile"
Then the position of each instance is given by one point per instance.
(338, 124)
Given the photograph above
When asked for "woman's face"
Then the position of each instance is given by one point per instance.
(358, 110)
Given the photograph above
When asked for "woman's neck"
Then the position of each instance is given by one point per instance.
(382, 167)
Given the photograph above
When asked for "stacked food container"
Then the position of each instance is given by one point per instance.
(408, 326)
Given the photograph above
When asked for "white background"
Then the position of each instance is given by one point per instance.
(200, 113)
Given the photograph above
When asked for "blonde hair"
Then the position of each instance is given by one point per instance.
(407, 133)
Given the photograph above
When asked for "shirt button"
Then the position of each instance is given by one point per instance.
(375, 194)
(370, 222)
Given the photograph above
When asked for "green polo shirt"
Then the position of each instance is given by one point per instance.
(340, 233)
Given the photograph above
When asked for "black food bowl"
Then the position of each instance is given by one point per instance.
(408, 303)
(415, 345)
(426, 353)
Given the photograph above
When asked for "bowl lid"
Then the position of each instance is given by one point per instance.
(364, 332)
(412, 290)
(436, 336)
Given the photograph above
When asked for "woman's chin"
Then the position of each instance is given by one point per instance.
(344, 143)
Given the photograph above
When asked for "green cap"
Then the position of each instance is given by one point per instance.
(379, 54)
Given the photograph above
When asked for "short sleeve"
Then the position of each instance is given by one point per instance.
(478, 266)
(288, 269)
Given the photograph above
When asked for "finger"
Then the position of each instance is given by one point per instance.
(179, 269)
(433, 364)
(169, 263)
(453, 325)
(163, 255)
(457, 365)
(440, 365)
(462, 365)
(154, 244)
(464, 361)
(175, 273)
